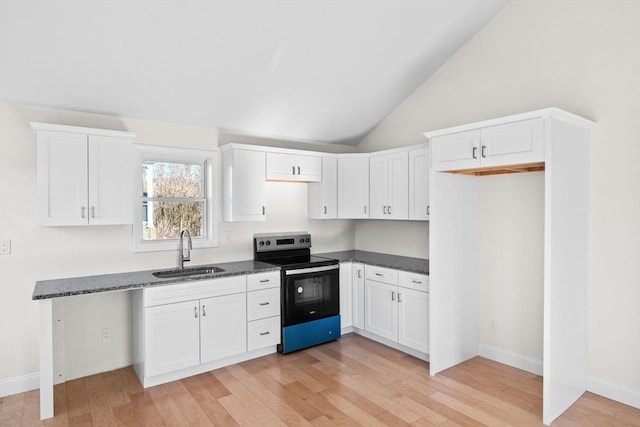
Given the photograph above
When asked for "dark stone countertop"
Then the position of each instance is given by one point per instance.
(57, 288)
(413, 265)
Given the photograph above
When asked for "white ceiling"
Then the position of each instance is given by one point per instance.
(300, 70)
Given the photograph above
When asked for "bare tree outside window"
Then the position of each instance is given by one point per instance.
(172, 199)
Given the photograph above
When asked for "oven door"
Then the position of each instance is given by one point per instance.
(310, 294)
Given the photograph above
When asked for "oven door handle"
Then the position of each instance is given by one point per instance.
(311, 269)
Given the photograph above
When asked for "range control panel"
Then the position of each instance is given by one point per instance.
(281, 242)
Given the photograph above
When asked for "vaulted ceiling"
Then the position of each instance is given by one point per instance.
(299, 70)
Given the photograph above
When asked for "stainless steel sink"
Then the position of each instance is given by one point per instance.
(187, 272)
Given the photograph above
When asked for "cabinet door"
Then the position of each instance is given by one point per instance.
(346, 295)
(309, 168)
(323, 196)
(353, 187)
(281, 167)
(172, 337)
(398, 186)
(62, 178)
(244, 195)
(413, 319)
(357, 289)
(381, 309)
(223, 327)
(110, 177)
(419, 184)
(456, 151)
(512, 143)
(378, 180)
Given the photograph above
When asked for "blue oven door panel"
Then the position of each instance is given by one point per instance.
(308, 334)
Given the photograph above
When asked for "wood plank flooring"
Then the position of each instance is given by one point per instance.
(353, 381)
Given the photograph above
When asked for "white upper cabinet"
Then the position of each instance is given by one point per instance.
(243, 185)
(323, 196)
(419, 166)
(293, 167)
(389, 186)
(516, 143)
(84, 175)
(353, 186)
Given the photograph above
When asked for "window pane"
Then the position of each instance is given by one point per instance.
(164, 220)
(167, 179)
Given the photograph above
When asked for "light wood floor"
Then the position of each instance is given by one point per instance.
(353, 381)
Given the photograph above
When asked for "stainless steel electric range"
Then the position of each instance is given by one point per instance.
(310, 289)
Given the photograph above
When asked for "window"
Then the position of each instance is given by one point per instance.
(175, 191)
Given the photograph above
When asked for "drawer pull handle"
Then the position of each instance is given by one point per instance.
(419, 282)
(264, 303)
(379, 274)
(393, 296)
(399, 297)
(264, 333)
(204, 313)
(195, 312)
(265, 280)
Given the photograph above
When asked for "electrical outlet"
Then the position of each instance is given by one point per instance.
(106, 335)
(5, 247)
(227, 236)
(493, 326)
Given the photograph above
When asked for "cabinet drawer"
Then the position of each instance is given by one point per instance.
(194, 290)
(258, 281)
(263, 333)
(419, 282)
(263, 303)
(381, 274)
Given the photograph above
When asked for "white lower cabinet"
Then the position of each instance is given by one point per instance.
(381, 309)
(188, 328)
(357, 293)
(397, 313)
(172, 337)
(346, 296)
(413, 319)
(223, 330)
(263, 310)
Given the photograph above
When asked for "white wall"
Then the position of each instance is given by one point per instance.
(40, 253)
(583, 57)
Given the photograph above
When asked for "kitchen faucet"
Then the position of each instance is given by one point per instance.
(181, 258)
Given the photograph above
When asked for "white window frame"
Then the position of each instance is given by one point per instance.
(176, 155)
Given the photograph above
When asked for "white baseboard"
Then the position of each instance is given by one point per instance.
(516, 360)
(21, 384)
(616, 392)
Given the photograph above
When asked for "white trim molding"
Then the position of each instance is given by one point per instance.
(509, 358)
(20, 384)
(616, 392)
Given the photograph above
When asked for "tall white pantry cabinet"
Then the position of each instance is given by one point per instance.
(552, 140)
